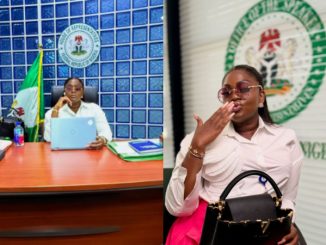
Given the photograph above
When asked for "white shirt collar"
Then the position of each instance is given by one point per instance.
(229, 129)
(68, 110)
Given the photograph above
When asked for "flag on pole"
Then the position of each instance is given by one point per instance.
(29, 102)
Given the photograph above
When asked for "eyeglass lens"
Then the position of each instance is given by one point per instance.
(71, 88)
(242, 87)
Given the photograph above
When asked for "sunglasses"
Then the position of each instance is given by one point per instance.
(71, 88)
(242, 88)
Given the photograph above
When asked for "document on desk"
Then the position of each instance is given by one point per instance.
(125, 152)
(145, 146)
(4, 144)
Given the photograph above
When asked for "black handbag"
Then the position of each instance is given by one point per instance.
(248, 220)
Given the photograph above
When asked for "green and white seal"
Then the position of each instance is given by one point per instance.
(285, 40)
(79, 45)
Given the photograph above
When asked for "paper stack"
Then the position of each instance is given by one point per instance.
(137, 150)
(4, 144)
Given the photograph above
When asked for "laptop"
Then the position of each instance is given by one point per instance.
(72, 133)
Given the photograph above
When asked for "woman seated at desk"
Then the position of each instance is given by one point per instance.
(71, 105)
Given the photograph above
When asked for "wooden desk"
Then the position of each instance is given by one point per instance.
(78, 197)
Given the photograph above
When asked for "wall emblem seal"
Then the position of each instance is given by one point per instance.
(285, 40)
(79, 45)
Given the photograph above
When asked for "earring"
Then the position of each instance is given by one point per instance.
(260, 105)
(64, 93)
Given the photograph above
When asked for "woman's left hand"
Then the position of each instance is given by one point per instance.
(97, 144)
(290, 239)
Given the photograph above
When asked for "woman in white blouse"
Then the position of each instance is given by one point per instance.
(239, 136)
(71, 105)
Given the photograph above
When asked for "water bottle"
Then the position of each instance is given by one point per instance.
(18, 134)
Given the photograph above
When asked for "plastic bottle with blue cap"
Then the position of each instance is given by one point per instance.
(18, 134)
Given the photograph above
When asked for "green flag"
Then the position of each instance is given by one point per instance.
(29, 102)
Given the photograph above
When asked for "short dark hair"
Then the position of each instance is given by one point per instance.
(263, 112)
(71, 78)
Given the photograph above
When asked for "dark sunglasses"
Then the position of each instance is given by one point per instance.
(242, 88)
(71, 88)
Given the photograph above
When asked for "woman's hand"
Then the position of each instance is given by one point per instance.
(62, 101)
(290, 239)
(206, 132)
(98, 143)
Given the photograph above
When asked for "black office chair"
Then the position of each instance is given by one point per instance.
(90, 94)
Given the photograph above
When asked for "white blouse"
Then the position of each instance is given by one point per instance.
(85, 110)
(272, 149)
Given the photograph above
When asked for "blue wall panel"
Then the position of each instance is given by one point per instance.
(128, 72)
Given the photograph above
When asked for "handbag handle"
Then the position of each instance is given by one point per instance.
(246, 174)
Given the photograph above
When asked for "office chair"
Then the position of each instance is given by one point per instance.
(90, 94)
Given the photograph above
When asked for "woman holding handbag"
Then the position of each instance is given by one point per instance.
(239, 136)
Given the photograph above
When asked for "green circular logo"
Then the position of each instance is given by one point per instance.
(285, 41)
(79, 45)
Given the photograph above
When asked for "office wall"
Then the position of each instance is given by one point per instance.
(128, 72)
(168, 127)
(216, 34)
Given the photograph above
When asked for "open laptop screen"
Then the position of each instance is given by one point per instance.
(72, 133)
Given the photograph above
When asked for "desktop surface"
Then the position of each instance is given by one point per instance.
(78, 197)
(35, 168)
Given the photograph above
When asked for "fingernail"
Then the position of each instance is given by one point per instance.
(281, 242)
